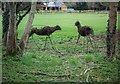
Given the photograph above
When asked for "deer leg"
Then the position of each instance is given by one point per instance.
(87, 44)
(90, 41)
(51, 41)
(45, 42)
(78, 39)
(36, 43)
(77, 42)
(92, 44)
(95, 46)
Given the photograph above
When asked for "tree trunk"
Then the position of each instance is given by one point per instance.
(27, 28)
(118, 38)
(11, 35)
(111, 31)
(5, 22)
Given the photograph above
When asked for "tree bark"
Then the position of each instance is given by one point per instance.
(27, 28)
(5, 22)
(118, 38)
(111, 31)
(11, 35)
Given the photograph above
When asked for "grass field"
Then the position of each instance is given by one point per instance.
(97, 21)
(49, 65)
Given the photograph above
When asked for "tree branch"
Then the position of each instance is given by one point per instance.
(44, 74)
(21, 17)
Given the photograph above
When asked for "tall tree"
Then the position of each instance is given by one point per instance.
(111, 31)
(20, 6)
(11, 35)
(5, 22)
(27, 28)
(118, 31)
(11, 19)
(81, 6)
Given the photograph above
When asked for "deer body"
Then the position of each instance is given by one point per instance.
(47, 30)
(84, 31)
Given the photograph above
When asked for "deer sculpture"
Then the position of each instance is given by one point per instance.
(84, 31)
(45, 31)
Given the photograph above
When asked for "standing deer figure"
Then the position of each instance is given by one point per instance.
(47, 31)
(84, 31)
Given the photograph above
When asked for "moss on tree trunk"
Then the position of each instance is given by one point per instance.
(111, 31)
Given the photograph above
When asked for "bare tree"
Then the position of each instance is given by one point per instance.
(111, 31)
(27, 28)
(11, 19)
(11, 35)
(20, 6)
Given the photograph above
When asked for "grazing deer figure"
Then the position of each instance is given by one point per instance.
(83, 31)
(45, 31)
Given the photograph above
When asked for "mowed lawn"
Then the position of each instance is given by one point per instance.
(67, 65)
(66, 20)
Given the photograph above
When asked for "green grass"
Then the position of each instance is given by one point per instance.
(97, 21)
(67, 61)
(50, 64)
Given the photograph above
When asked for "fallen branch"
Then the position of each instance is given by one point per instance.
(88, 75)
(87, 79)
(88, 69)
(44, 74)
